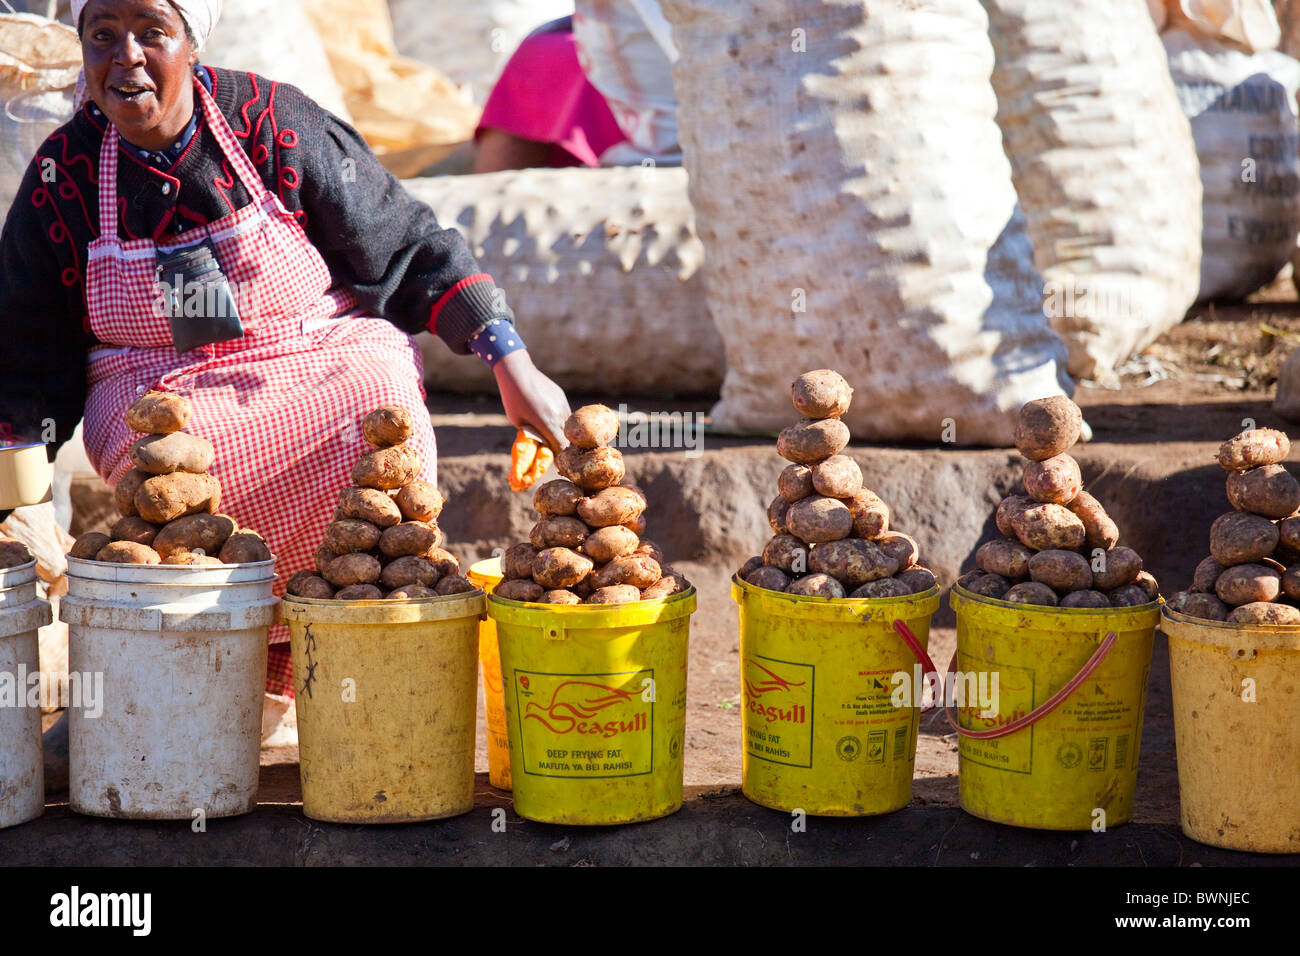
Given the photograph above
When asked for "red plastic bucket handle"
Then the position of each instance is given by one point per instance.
(1020, 723)
(919, 653)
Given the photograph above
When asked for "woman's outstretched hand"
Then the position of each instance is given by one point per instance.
(531, 399)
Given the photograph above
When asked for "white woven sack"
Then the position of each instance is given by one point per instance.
(275, 39)
(1242, 108)
(469, 42)
(602, 267)
(1105, 169)
(857, 211)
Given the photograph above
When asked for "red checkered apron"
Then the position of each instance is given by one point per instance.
(283, 404)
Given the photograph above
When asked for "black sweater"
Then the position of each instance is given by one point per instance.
(379, 242)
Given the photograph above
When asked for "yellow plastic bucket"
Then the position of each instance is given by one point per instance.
(1236, 707)
(387, 695)
(820, 726)
(595, 700)
(487, 575)
(1073, 767)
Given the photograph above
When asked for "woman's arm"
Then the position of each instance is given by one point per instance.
(43, 342)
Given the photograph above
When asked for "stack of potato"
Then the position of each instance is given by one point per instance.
(14, 554)
(1246, 579)
(832, 534)
(587, 547)
(1060, 548)
(384, 542)
(168, 501)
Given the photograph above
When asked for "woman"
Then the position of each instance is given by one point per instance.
(170, 168)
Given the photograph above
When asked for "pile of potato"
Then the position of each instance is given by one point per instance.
(1059, 547)
(168, 502)
(1254, 563)
(14, 554)
(588, 545)
(832, 536)
(384, 542)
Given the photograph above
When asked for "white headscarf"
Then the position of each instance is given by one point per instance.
(200, 16)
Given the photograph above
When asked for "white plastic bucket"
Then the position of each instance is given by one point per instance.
(22, 773)
(181, 653)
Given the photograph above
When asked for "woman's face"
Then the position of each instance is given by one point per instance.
(138, 63)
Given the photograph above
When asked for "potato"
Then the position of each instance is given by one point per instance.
(882, 588)
(166, 454)
(1048, 427)
(585, 588)
(817, 585)
(128, 552)
(387, 426)
(795, 483)
(615, 594)
(1099, 530)
(668, 585)
(419, 501)
(1289, 534)
(606, 544)
(1269, 490)
(1238, 537)
(1062, 571)
(870, 515)
(1007, 558)
(558, 533)
(517, 562)
(136, 529)
(1250, 449)
(1130, 595)
(1118, 567)
(15, 554)
(308, 585)
(592, 426)
(821, 394)
(852, 561)
(1206, 573)
(557, 498)
(387, 468)
(807, 442)
(591, 469)
(164, 498)
(349, 535)
(561, 568)
(901, 547)
(788, 553)
(85, 547)
(1247, 584)
(349, 569)
(370, 505)
(1263, 612)
(1055, 480)
(409, 538)
(776, 514)
(454, 584)
(519, 590)
(637, 527)
(1148, 584)
(612, 506)
(409, 570)
(819, 519)
(192, 560)
(1030, 592)
(359, 592)
(560, 596)
(323, 557)
(1087, 598)
(917, 580)
(652, 550)
(837, 477)
(444, 561)
(753, 564)
(159, 413)
(1291, 582)
(987, 585)
(245, 547)
(637, 570)
(204, 534)
(773, 579)
(125, 490)
(1048, 527)
(411, 592)
(1197, 604)
(1011, 506)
